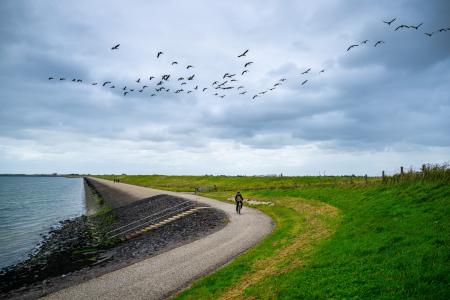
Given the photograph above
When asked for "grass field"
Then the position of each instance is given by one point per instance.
(335, 237)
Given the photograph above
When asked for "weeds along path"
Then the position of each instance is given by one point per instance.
(301, 225)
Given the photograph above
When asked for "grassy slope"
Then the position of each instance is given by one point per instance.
(382, 241)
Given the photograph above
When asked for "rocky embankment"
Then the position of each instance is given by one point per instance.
(81, 248)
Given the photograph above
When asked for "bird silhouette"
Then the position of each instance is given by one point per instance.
(125, 93)
(94, 83)
(416, 27)
(243, 72)
(243, 54)
(364, 42)
(255, 96)
(189, 92)
(74, 80)
(50, 78)
(216, 94)
(352, 46)
(271, 89)
(277, 84)
(283, 79)
(248, 64)
(167, 90)
(106, 82)
(204, 89)
(215, 82)
(79, 80)
(116, 47)
(191, 77)
(183, 83)
(166, 77)
(390, 22)
(222, 96)
(140, 91)
(152, 95)
(112, 87)
(231, 75)
(131, 90)
(196, 87)
(159, 83)
(139, 80)
(429, 34)
(225, 75)
(62, 78)
(189, 66)
(305, 81)
(442, 29)
(262, 93)
(159, 53)
(124, 88)
(151, 77)
(240, 87)
(144, 87)
(233, 80)
(379, 42)
(242, 93)
(305, 72)
(174, 63)
(401, 26)
(322, 71)
(181, 78)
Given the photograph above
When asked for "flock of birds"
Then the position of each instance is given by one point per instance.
(227, 82)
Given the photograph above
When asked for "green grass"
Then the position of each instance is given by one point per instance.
(334, 239)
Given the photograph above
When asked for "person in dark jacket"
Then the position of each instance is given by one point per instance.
(239, 201)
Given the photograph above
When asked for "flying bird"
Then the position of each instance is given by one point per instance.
(204, 89)
(215, 82)
(242, 93)
(151, 77)
(74, 80)
(304, 81)
(416, 27)
(390, 22)
(144, 87)
(131, 90)
(243, 54)
(152, 95)
(222, 96)
(174, 63)
(139, 80)
(159, 53)
(159, 83)
(243, 72)
(216, 94)
(183, 83)
(112, 87)
(364, 42)
(271, 89)
(322, 71)
(277, 84)
(307, 71)
(401, 26)
(189, 66)
(196, 87)
(106, 82)
(442, 29)
(240, 87)
(140, 91)
(191, 77)
(189, 92)
(248, 64)
(255, 96)
(62, 78)
(125, 93)
(225, 75)
(50, 78)
(181, 78)
(94, 83)
(429, 34)
(124, 88)
(283, 79)
(79, 80)
(233, 80)
(116, 47)
(379, 42)
(352, 46)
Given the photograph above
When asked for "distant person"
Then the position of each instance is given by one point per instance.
(239, 201)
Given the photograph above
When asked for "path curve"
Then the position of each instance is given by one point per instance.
(160, 276)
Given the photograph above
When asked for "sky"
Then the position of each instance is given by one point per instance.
(372, 109)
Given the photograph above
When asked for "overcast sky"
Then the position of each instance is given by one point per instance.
(373, 109)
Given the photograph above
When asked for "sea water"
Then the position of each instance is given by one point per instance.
(30, 206)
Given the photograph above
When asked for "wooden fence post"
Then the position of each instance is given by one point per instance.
(401, 171)
(382, 176)
(365, 178)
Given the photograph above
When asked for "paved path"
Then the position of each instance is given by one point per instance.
(161, 276)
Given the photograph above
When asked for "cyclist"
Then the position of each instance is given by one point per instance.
(239, 200)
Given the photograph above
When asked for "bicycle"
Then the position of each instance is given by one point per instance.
(239, 207)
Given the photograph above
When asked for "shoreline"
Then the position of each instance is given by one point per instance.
(88, 258)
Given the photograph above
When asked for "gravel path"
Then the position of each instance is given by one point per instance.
(163, 275)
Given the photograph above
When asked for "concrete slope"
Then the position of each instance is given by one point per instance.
(160, 276)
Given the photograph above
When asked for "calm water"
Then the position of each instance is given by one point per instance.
(29, 206)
